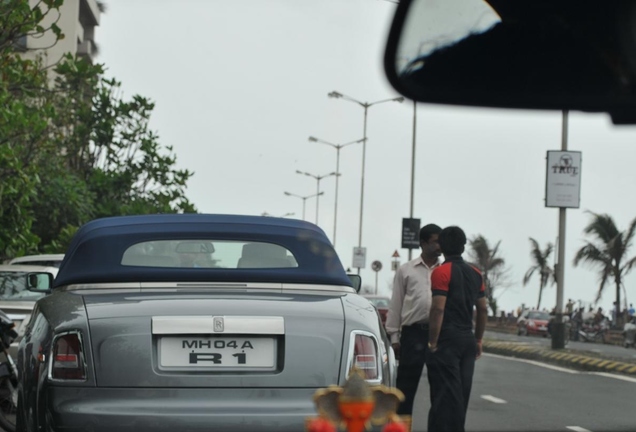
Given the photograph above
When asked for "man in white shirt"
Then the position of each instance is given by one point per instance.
(407, 319)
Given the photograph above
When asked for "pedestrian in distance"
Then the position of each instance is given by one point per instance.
(407, 318)
(457, 288)
(569, 308)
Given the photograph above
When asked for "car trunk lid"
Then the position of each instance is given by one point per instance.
(216, 339)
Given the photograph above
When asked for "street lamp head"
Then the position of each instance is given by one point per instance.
(321, 193)
(313, 139)
(400, 99)
(299, 172)
(335, 94)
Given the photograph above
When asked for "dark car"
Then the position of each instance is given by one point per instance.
(195, 322)
(381, 303)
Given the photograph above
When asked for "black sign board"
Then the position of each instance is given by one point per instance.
(410, 233)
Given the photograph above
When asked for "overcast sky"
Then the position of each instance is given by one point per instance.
(240, 85)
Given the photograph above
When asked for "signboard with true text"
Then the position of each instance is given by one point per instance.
(359, 257)
(410, 233)
(563, 179)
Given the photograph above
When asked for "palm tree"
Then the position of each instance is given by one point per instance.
(607, 251)
(541, 266)
(493, 268)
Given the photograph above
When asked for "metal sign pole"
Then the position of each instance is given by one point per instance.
(413, 168)
(558, 337)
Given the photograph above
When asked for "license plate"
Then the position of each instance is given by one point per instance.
(225, 352)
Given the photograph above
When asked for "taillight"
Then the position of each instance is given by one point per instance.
(67, 359)
(365, 356)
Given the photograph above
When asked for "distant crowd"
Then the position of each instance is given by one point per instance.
(615, 318)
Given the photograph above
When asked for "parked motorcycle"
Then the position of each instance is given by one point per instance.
(629, 334)
(590, 332)
(8, 376)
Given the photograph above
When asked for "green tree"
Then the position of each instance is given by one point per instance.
(492, 266)
(71, 150)
(607, 251)
(541, 266)
(107, 160)
(24, 121)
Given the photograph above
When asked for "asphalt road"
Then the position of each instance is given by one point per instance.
(613, 351)
(520, 395)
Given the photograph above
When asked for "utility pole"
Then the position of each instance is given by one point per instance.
(558, 335)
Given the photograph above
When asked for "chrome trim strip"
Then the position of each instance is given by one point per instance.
(309, 287)
(352, 339)
(81, 354)
(205, 325)
(103, 286)
(140, 286)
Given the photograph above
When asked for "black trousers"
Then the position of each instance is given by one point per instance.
(413, 348)
(450, 377)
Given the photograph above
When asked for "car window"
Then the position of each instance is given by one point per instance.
(13, 286)
(205, 253)
(380, 302)
(45, 263)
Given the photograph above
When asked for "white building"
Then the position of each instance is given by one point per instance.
(77, 19)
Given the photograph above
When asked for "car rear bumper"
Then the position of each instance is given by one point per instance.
(141, 410)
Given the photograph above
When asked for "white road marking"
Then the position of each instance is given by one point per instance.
(610, 375)
(493, 399)
(578, 429)
(536, 363)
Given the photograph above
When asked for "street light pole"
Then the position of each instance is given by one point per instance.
(413, 169)
(338, 147)
(304, 198)
(318, 193)
(366, 106)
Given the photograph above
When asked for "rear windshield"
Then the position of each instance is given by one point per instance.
(224, 254)
(13, 286)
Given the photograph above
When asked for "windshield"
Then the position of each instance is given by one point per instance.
(539, 316)
(13, 287)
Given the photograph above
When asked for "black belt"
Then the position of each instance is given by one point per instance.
(419, 326)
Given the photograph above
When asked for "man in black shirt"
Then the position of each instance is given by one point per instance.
(457, 287)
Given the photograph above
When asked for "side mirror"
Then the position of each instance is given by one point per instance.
(40, 282)
(529, 54)
(356, 281)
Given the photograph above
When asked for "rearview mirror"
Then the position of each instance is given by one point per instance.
(534, 54)
(40, 282)
(356, 281)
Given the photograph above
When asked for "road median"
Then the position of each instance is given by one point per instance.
(575, 359)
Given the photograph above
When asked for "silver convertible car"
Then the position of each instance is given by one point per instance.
(195, 323)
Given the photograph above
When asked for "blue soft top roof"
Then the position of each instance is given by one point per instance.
(95, 253)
